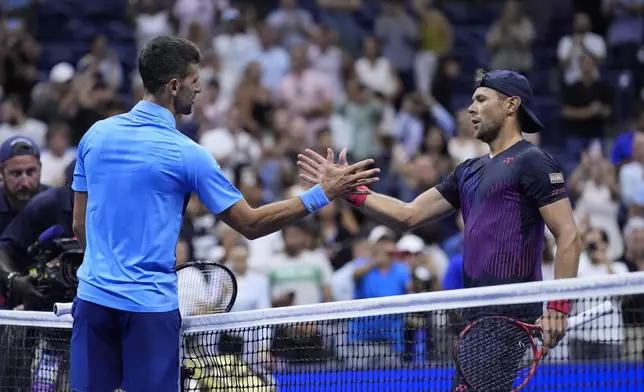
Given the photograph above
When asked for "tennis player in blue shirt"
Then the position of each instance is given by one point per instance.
(134, 175)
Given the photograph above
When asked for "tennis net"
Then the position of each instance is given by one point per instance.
(403, 343)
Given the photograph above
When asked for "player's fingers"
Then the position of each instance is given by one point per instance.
(313, 163)
(343, 157)
(306, 168)
(360, 166)
(365, 174)
(330, 156)
(315, 156)
(307, 178)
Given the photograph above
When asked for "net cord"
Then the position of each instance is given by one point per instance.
(512, 294)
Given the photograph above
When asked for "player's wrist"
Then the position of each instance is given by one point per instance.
(314, 199)
(357, 200)
(561, 306)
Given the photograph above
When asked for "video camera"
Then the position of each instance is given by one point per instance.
(56, 262)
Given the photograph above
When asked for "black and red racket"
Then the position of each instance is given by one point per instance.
(497, 353)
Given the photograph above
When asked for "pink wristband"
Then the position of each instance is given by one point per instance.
(357, 200)
(562, 306)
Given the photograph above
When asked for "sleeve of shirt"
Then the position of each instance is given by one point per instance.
(80, 181)
(448, 188)
(23, 231)
(207, 180)
(542, 179)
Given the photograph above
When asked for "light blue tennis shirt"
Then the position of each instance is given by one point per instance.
(138, 171)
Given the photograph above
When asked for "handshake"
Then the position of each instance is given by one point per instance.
(338, 179)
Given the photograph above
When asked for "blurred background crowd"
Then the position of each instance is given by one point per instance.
(387, 79)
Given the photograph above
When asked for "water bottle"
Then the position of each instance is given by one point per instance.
(45, 373)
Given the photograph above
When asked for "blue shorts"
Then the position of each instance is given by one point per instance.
(135, 351)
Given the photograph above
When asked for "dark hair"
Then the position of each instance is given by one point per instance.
(164, 59)
(55, 128)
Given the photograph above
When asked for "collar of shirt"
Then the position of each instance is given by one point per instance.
(152, 109)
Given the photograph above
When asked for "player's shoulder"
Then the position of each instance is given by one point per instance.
(531, 153)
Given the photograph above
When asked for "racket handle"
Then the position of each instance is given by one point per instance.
(62, 308)
(590, 315)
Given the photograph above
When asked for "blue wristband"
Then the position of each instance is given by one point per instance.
(314, 199)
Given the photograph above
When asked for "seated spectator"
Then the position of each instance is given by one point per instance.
(622, 151)
(327, 58)
(587, 107)
(209, 110)
(16, 122)
(201, 12)
(306, 93)
(376, 71)
(57, 156)
(235, 48)
(150, 20)
(581, 42)
(631, 175)
(295, 25)
(435, 35)
(104, 61)
(624, 34)
(274, 59)
(510, 39)
(253, 100)
(337, 225)
(464, 145)
(252, 286)
(56, 98)
(398, 34)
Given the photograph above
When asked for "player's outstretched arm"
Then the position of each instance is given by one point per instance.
(402, 216)
(335, 182)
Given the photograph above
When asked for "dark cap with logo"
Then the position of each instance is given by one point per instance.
(18, 145)
(513, 84)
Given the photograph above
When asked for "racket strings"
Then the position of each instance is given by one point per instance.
(495, 355)
(204, 289)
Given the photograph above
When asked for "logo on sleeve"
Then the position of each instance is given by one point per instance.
(556, 178)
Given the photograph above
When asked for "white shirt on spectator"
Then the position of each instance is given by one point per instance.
(305, 275)
(31, 128)
(152, 26)
(53, 168)
(631, 177)
(231, 148)
(566, 49)
(200, 11)
(329, 63)
(378, 75)
(234, 53)
(253, 292)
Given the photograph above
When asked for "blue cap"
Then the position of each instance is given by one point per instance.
(18, 145)
(513, 84)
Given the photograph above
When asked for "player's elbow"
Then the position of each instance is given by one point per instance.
(569, 238)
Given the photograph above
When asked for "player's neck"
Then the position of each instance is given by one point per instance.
(507, 138)
(165, 103)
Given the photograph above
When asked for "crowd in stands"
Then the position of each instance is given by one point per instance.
(389, 80)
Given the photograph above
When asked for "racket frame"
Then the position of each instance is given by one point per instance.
(233, 296)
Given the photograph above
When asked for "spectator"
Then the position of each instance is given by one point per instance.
(355, 121)
(103, 61)
(594, 184)
(298, 276)
(295, 25)
(18, 60)
(622, 151)
(273, 58)
(252, 287)
(602, 338)
(326, 58)
(307, 93)
(435, 147)
(337, 225)
(202, 12)
(631, 175)
(587, 106)
(464, 145)
(58, 155)
(510, 40)
(15, 122)
(231, 145)
(340, 15)
(581, 42)
(150, 20)
(624, 35)
(209, 110)
(435, 36)
(409, 129)
(57, 98)
(398, 33)
(253, 100)
(446, 81)
(376, 71)
(235, 48)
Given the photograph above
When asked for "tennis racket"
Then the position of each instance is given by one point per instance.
(496, 353)
(205, 287)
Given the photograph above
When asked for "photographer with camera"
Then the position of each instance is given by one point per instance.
(19, 244)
